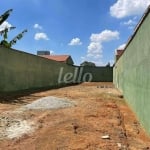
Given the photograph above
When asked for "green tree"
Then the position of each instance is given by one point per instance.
(87, 63)
(5, 31)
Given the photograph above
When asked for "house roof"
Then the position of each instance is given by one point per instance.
(120, 52)
(60, 58)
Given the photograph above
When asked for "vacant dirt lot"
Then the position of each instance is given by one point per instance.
(99, 120)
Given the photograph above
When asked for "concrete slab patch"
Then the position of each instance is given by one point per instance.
(18, 129)
(14, 128)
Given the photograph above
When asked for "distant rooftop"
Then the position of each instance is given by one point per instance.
(119, 53)
(60, 58)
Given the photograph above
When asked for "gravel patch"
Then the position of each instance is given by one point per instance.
(49, 102)
(13, 124)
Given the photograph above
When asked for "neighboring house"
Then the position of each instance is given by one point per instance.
(60, 58)
(119, 53)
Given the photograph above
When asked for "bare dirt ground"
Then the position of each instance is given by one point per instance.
(100, 120)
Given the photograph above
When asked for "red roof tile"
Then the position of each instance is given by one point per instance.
(120, 52)
(60, 58)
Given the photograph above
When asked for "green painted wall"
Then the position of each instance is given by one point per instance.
(132, 73)
(21, 71)
(99, 74)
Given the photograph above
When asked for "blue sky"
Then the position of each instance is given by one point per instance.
(88, 30)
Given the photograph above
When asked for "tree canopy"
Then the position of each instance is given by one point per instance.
(87, 63)
(4, 32)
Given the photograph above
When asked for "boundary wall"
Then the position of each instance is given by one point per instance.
(131, 73)
(23, 71)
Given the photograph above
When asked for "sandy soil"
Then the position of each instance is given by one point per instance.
(100, 120)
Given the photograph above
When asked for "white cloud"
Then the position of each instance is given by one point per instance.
(104, 36)
(124, 8)
(41, 36)
(122, 46)
(4, 25)
(130, 22)
(95, 48)
(52, 52)
(37, 26)
(75, 41)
